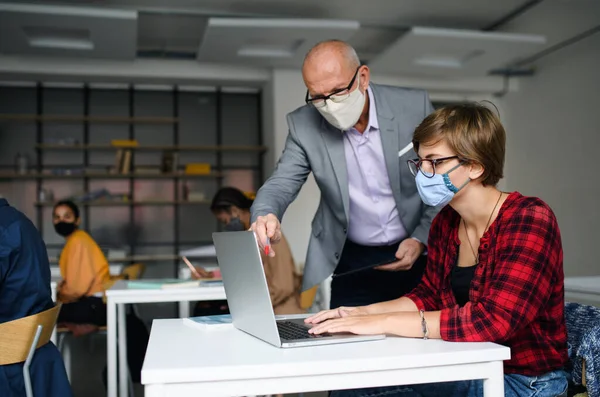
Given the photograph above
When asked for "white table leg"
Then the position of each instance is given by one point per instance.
(184, 309)
(111, 350)
(123, 367)
(325, 290)
(53, 335)
(66, 354)
(494, 385)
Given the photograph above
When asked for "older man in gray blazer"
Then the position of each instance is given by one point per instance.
(371, 227)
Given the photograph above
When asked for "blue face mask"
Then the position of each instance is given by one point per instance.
(438, 190)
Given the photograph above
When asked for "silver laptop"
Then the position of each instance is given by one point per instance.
(249, 300)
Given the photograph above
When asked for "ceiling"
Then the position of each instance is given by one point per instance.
(387, 34)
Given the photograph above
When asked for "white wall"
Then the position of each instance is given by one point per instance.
(552, 149)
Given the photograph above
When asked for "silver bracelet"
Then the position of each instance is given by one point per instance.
(424, 325)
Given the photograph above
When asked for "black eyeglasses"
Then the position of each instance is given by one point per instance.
(427, 166)
(336, 96)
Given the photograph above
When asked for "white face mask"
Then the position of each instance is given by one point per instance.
(344, 115)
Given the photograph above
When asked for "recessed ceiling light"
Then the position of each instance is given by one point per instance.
(269, 50)
(58, 38)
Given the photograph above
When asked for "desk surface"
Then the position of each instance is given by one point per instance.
(180, 353)
(589, 284)
(121, 293)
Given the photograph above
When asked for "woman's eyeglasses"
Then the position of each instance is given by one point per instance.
(427, 166)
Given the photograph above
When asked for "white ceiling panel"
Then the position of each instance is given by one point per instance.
(268, 42)
(463, 14)
(452, 52)
(170, 33)
(68, 31)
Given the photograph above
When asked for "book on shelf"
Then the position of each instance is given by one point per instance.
(196, 196)
(124, 143)
(169, 161)
(123, 158)
(126, 166)
(207, 323)
(197, 168)
(118, 162)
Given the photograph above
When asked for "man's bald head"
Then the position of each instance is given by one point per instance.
(332, 50)
(329, 67)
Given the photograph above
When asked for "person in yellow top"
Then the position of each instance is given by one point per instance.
(83, 268)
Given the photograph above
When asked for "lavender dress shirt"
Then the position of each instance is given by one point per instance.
(374, 218)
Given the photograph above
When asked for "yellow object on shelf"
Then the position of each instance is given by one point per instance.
(124, 143)
(197, 168)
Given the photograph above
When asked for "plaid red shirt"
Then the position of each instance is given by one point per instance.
(517, 294)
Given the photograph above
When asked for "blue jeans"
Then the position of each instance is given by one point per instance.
(551, 384)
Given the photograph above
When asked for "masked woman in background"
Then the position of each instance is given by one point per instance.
(84, 270)
(231, 207)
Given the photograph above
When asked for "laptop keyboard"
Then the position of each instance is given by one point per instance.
(290, 330)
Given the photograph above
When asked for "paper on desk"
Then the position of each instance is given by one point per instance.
(162, 284)
(207, 323)
(207, 251)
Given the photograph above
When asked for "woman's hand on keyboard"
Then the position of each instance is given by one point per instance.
(340, 312)
(373, 324)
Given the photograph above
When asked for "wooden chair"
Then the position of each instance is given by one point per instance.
(308, 297)
(21, 337)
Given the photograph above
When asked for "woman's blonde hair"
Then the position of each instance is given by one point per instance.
(472, 131)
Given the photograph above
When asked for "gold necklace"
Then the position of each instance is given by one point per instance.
(476, 255)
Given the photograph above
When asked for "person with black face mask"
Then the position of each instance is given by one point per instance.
(83, 268)
(231, 207)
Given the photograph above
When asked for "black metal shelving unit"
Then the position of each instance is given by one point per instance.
(40, 118)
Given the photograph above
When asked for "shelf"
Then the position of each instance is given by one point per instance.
(105, 175)
(180, 148)
(143, 244)
(108, 203)
(95, 143)
(90, 119)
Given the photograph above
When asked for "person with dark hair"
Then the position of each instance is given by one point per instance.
(83, 267)
(25, 291)
(232, 208)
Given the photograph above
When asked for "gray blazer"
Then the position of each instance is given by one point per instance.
(314, 145)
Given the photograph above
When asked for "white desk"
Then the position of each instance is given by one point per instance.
(583, 288)
(112, 269)
(184, 361)
(120, 295)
